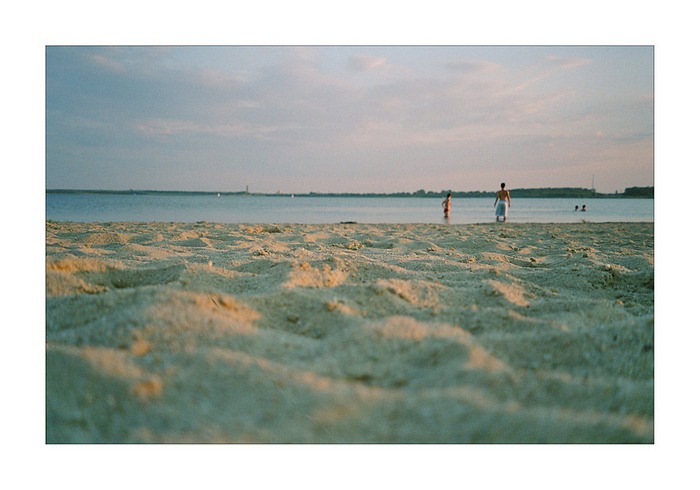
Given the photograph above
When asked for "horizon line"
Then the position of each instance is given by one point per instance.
(419, 191)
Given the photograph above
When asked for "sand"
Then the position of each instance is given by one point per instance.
(349, 333)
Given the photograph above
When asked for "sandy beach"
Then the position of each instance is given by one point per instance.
(349, 333)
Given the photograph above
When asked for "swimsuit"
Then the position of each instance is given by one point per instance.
(502, 208)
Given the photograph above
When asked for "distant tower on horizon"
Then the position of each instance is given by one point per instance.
(593, 183)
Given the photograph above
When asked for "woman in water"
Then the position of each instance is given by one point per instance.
(446, 205)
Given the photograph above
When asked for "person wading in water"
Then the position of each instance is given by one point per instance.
(502, 203)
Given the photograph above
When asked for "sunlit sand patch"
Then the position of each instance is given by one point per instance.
(111, 361)
(417, 292)
(89, 275)
(59, 283)
(481, 359)
(63, 277)
(510, 291)
(78, 265)
(341, 307)
(407, 328)
(306, 275)
(316, 237)
(148, 388)
(493, 258)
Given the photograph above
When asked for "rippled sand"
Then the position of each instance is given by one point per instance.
(201, 332)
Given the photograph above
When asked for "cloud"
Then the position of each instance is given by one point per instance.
(296, 100)
(363, 62)
(548, 68)
(565, 63)
(174, 127)
(472, 67)
(106, 63)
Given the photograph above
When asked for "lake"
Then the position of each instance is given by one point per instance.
(87, 207)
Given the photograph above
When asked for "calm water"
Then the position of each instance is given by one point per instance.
(317, 210)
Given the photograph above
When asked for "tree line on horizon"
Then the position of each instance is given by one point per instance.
(544, 192)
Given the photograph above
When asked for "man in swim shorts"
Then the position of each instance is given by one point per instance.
(502, 203)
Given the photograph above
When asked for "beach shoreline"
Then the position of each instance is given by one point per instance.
(350, 333)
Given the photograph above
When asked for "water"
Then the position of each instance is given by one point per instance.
(318, 210)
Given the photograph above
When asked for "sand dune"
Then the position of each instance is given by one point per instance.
(202, 332)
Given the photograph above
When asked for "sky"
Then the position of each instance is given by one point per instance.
(91, 109)
(348, 118)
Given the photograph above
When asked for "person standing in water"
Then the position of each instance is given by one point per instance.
(446, 204)
(502, 203)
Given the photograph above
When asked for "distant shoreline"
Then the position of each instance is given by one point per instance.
(555, 193)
